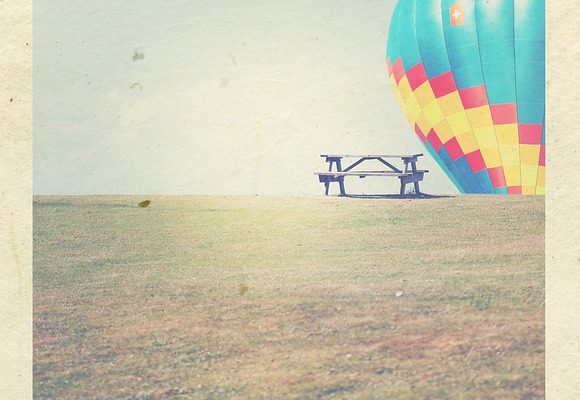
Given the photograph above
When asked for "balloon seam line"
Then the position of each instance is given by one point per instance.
(540, 155)
(543, 121)
(442, 13)
(517, 108)
(475, 18)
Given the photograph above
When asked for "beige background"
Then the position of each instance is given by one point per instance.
(563, 250)
(562, 203)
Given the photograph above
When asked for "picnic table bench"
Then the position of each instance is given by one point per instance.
(408, 173)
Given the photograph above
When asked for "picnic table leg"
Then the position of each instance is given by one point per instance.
(336, 161)
(341, 185)
(403, 183)
(416, 183)
(326, 186)
(340, 178)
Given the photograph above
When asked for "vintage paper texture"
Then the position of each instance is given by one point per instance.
(562, 202)
(562, 227)
(16, 200)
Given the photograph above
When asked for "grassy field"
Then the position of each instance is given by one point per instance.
(288, 298)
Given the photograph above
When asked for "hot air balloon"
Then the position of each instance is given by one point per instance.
(470, 77)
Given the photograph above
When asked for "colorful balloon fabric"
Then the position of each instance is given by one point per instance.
(470, 77)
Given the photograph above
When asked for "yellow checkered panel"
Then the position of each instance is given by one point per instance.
(481, 142)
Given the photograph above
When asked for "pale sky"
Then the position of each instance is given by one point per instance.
(212, 97)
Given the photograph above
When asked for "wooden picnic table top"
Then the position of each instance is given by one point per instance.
(369, 173)
(372, 155)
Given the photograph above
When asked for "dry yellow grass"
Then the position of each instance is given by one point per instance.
(299, 298)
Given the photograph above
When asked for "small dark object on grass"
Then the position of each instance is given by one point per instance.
(144, 203)
(243, 289)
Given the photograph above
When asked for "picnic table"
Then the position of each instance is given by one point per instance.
(407, 171)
